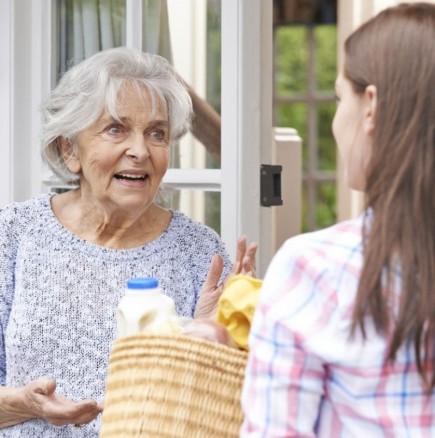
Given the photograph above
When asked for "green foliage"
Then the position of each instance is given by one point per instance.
(291, 59)
(325, 45)
(326, 198)
(310, 111)
(326, 147)
(213, 210)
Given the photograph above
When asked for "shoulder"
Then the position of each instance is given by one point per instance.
(196, 240)
(21, 213)
(17, 220)
(318, 270)
(341, 231)
(190, 231)
(328, 248)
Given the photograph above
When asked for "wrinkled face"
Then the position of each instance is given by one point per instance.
(121, 164)
(350, 135)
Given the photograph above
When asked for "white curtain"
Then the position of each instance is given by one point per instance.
(155, 32)
(88, 26)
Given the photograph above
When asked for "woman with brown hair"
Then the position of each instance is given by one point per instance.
(342, 343)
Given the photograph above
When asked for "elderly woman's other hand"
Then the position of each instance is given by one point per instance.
(43, 402)
(211, 290)
(210, 330)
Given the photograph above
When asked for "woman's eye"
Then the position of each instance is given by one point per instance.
(115, 129)
(158, 134)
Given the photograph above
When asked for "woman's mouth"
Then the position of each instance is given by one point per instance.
(132, 180)
(130, 177)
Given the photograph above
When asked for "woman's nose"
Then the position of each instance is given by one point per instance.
(138, 147)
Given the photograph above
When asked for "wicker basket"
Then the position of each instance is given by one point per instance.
(173, 386)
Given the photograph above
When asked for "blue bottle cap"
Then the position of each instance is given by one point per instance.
(142, 283)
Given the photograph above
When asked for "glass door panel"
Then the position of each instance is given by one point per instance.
(86, 27)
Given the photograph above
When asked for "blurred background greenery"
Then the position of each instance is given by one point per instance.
(304, 75)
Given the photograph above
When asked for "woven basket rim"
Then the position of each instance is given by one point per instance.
(127, 341)
(173, 385)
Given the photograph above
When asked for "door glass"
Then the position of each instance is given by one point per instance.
(86, 27)
(291, 66)
(305, 40)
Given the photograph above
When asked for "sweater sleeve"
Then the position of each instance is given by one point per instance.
(207, 246)
(8, 249)
(216, 246)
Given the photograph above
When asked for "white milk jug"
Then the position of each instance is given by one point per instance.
(144, 308)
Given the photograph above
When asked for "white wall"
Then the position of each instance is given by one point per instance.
(6, 102)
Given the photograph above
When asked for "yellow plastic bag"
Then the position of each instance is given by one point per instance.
(236, 307)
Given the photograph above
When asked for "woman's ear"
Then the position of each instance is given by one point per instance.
(370, 107)
(69, 155)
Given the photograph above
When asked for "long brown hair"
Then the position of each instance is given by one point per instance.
(395, 51)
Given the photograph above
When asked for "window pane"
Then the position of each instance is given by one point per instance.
(305, 208)
(305, 72)
(325, 43)
(294, 115)
(326, 213)
(86, 27)
(213, 66)
(291, 62)
(327, 150)
(213, 42)
(213, 210)
(199, 205)
(196, 48)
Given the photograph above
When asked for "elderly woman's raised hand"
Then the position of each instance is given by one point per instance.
(42, 401)
(211, 290)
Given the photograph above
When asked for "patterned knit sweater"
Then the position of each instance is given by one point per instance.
(58, 297)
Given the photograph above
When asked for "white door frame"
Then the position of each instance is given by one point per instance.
(246, 121)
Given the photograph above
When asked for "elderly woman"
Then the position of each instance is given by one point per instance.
(65, 258)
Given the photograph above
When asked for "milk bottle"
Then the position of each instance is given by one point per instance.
(144, 308)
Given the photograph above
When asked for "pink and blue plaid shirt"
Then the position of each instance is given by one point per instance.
(305, 376)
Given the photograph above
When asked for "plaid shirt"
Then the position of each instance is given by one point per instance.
(305, 376)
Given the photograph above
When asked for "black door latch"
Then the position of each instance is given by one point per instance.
(270, 185)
